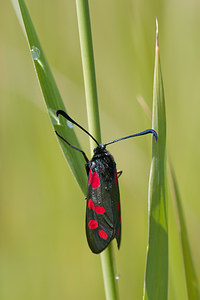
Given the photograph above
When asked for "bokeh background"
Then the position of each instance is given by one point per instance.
(43, 248)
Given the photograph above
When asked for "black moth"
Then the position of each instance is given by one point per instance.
(103, 214)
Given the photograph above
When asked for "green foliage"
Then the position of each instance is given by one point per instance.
(83, 15)
(156, 278)
(44, 253)
(189, 268)
(53, 100)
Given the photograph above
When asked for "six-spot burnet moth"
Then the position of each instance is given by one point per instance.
(103, 214)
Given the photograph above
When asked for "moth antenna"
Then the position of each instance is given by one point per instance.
(66, 116)
(137, 134)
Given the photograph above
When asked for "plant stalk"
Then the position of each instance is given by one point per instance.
(85, 35)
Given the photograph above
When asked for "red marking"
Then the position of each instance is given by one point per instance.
(92, 224)
(99, 209)
(118, 231)
(103, 234)
(90, 177)
(116, 178)
(118, 205)
(95, 180)
(91, 204)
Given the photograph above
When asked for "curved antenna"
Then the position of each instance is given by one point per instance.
(66, 116)
(137, 134)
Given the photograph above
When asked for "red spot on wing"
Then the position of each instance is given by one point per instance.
(92, 224)
(90, 176)
(99, 209)
(95, 180)
(118, 205)
(116, 178)
(90, 204)
(103, 234)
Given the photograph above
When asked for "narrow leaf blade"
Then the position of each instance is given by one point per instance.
(52, 97)
(192, 283)
(156, 276)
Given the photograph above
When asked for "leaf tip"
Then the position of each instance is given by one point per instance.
(157, 41)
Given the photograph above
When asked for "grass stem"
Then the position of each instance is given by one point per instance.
(83, 16)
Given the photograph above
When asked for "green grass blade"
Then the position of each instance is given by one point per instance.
(52, 98)
(190, 273)
(192, 283)
(85, 36)
(156, 276)
(83, 16)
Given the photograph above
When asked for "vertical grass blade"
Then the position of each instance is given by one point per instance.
(52, 96)
(156, 275)
(83, 16)
(190, 273)
(87, 55)
(192, 283)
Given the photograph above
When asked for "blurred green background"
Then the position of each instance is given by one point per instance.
(43, 248)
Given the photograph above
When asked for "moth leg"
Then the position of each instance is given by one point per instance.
(119, 173)
(74, 147)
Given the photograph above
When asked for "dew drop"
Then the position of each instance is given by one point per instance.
(70, 124)
(35, 52)
(117, 277)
